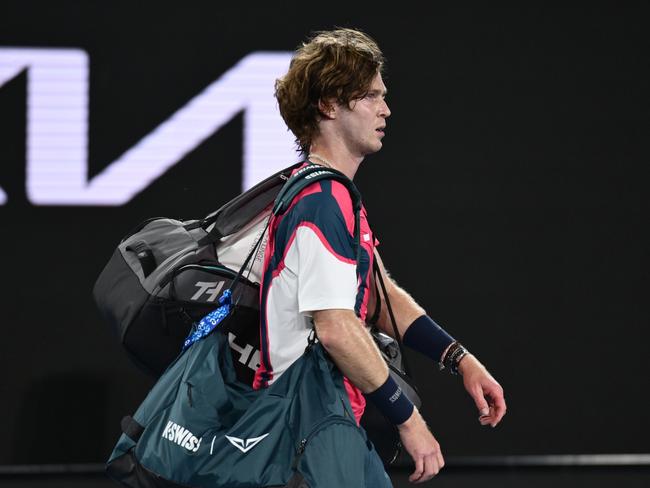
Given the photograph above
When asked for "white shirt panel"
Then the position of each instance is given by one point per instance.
(312, 279)
(326, 282)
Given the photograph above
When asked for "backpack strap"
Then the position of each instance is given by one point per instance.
(300, 180)
(311, 174)
(391, 315)
(305, 177)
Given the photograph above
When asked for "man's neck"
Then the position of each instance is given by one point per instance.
(339, 160)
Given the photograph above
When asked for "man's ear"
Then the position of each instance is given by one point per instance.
(327, 108)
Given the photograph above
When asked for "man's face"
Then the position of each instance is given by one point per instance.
(361, 125)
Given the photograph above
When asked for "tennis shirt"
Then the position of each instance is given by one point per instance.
(310, 264)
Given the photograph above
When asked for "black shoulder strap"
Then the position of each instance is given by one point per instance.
(307, 176)
(391, 315)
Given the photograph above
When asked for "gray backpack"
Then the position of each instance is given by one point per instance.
(166, 274)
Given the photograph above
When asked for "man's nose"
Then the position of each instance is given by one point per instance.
(384, 110)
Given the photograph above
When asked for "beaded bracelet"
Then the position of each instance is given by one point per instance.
(455, 353)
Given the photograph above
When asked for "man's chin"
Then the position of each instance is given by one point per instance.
(375, 148)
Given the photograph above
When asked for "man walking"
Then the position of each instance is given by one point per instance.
(333, 100)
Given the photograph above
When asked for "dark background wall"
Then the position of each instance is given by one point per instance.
(509, 200)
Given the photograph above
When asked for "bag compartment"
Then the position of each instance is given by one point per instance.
(187, 295)
(318, 461)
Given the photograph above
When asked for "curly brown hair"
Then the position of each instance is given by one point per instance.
(338, 65)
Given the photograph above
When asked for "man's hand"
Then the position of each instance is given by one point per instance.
(484, 389)
(422, 447)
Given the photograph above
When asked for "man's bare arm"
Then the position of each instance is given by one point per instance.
(486, 392)
(405, 308)
(351, 347)
(355, 353)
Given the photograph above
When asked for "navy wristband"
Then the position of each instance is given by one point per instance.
(392, 402)
(427, 337)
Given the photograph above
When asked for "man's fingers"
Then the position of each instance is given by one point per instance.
(419, 469)
(422, 447)
(427, 466)
(486, 393)
(499, 409)
(441, 460)
(480, 401)
(430, 468)
(497, 405)
(497, 417)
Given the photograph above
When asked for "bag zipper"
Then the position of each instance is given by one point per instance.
(171, 275)
(189, 393)
(327, 421)
(201, 267)
(208, 267)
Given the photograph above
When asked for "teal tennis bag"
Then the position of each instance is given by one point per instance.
(200, 427)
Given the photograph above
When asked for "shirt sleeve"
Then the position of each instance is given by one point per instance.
(327, 275)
